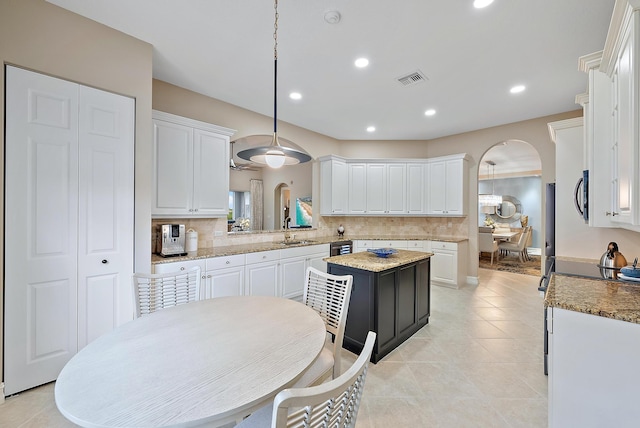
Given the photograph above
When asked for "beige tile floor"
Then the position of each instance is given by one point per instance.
(478, 363)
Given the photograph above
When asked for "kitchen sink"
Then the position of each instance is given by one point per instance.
(297, 242)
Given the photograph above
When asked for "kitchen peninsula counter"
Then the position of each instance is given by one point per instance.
(593, 329)
(390, 296)
(610, 299)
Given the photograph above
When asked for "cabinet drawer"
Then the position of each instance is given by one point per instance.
(304, 251)
(416, 245)
(263, 256)
(363, 245)
(222, 262)
(392, 243)
(178, 266)
(440, 245)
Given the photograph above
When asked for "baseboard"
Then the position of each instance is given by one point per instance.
(473, 280)
(1, 392)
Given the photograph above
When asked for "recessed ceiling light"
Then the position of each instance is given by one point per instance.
(430, 112)
(295, 95)
(479, 4)
(362, 62)
(517, 89)
(371, 128)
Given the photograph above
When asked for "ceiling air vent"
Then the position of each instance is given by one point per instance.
(412, 78)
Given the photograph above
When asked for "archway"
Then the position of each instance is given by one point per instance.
(512, 171)
(281, 206)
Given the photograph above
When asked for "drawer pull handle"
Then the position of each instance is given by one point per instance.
(182, 268)
(105, 261)
(227, 262)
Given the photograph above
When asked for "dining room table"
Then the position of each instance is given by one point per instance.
(209, 362)
(503, 235)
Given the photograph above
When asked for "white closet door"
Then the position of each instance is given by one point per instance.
(41, 216)
(105, 221)
(68, 222)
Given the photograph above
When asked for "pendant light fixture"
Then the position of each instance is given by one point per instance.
(491, 200)
(275, 155)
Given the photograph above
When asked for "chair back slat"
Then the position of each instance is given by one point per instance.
(157, 291)
(328, 295)
(331, 404)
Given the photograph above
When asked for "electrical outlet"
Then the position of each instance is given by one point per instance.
(217, 233)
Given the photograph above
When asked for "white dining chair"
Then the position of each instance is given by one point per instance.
(486, 244)
(329, 296)
(333, 404)
(162, 290)
(516, 246)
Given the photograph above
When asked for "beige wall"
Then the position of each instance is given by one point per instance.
(44, 38)
(172, 99)
(50, 40)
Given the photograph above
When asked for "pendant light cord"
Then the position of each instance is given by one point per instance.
(275, 75)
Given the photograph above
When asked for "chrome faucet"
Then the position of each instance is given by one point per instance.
(286, 229)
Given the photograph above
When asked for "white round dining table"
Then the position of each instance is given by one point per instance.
(207, 362)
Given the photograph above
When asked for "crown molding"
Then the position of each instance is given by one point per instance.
(620, 19)
(590, 62)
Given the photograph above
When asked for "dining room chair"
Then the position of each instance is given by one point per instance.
(515, 246)
(162, 290)
(329, 296)
(486, 244)
(332, 404)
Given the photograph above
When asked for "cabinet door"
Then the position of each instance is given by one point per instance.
(625, 148)
(334, 189)
(292, 273)
(396, 188)
(454, 187)
(416, 188)
(224, 282)
(261, 279)
(376, 188)
(210, 174)
(357, 188)
(444, 266)
(386, 320)
(172, 169)
(437, 182)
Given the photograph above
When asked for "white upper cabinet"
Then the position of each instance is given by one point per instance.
(416, 187)
(333, 187)
(598, 142)
(386, 189)
(410, 187)
(448, 185)
(357, 188)
(621, 64)
(190, 167)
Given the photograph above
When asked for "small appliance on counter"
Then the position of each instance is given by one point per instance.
(171, 240)
(611, 262)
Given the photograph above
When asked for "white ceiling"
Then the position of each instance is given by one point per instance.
(471, 57)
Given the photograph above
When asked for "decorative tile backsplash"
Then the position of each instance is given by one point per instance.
(396, 227)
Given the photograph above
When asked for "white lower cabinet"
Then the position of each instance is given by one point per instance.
(224, 276)
(593, 370)
(261, 273)
(178, 266)
(293, 266)
(447, 263)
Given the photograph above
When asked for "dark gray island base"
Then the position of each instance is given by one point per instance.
(390, 296)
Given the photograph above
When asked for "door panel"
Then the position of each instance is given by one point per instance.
(105, 245)
(40, 228)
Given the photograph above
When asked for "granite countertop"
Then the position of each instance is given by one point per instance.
(231, 250)
(610, 299)
(370, 262)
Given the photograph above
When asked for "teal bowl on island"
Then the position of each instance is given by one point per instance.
(630, 271)
(382, 252)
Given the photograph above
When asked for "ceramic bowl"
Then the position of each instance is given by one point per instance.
(630, 271)
(382, 252)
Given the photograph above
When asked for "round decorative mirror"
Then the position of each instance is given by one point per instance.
(510, 208)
